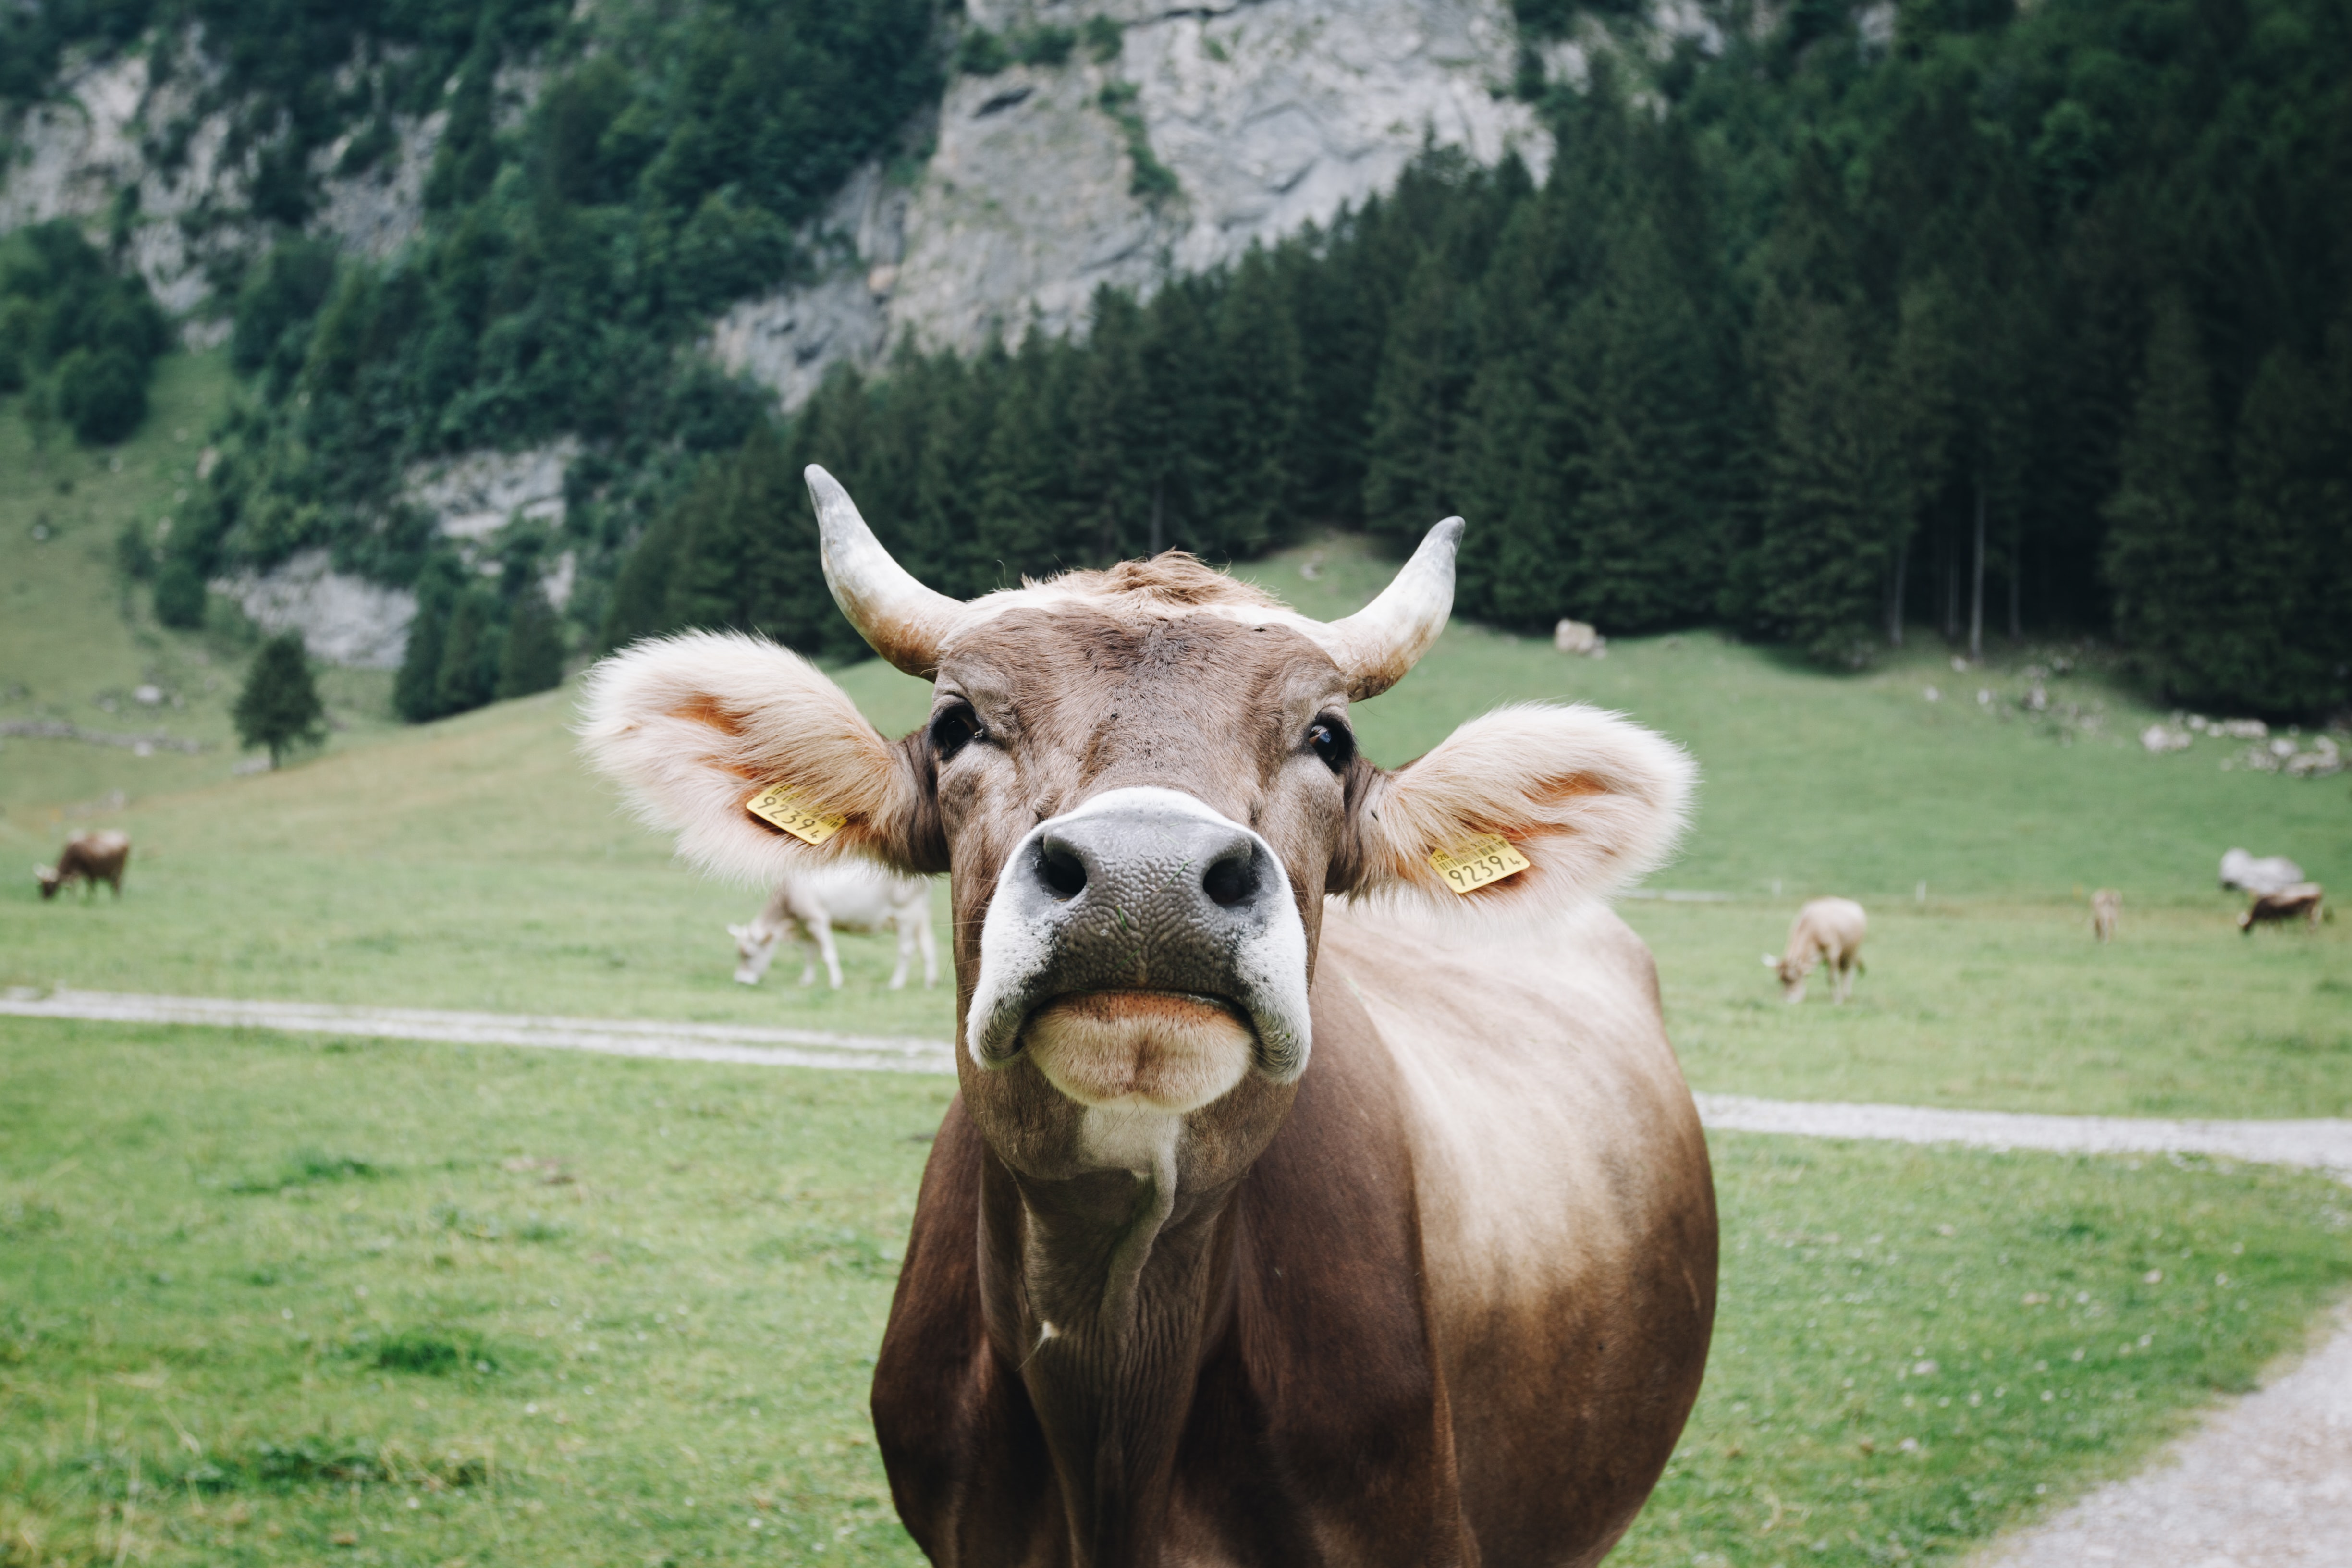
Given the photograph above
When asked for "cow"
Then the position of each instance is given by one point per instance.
(2107, 908)
(1825, 930)
(2241, 872)
(1301, 1202)
(2301, 901)
(91, 855)
(809, 905)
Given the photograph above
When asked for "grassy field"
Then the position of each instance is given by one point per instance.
(78, 639)
(472, 863)
(263, 1296)
(274, 1300)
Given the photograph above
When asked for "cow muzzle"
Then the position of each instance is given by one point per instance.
(1144, 950)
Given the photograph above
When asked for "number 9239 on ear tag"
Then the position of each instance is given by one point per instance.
(1478, 862)
(785, 808)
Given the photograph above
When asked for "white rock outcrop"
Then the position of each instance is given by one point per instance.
(473, 496)
(79, 153)
(1271, 115)
(343, 619)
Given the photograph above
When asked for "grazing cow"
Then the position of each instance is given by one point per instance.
(2241, 872)
(2300, 901)
(2107, 908)
(811, 904)
(92, 857)
(1825, 930)
(1265, 1229)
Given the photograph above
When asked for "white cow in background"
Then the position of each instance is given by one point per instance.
(853, 894)
(2270, 874)
(1825, 930)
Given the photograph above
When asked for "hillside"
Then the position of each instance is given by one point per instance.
(77, 636)
(473, 863)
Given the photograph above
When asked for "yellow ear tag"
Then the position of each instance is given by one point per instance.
(1478, 861)
(785, 809)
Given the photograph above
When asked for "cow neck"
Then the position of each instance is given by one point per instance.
(1114, 1287)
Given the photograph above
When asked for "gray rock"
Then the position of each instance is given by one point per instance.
(473, 496)
(1272, 116)
(343, 619)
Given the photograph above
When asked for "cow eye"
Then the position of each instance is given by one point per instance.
(952, 728)
(1331, 739)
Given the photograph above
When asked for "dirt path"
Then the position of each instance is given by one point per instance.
(2321, 1145)
(607, 1036)
(2264, 1483)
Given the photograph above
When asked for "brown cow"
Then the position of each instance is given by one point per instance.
(91, 855)
(2300, 901)
(1263, 1230)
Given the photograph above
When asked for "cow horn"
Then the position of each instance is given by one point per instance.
(1378, 644)
(901, 619)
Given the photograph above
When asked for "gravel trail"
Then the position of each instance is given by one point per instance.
(609, 1036)
(2265, 1482)
(2316, 1144)
(2323, 1145)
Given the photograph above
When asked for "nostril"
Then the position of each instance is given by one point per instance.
(1064, 873)
(1232, 880)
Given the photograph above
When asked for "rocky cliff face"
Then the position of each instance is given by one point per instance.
(91, 152)
(1211, 126)
(1269, 114)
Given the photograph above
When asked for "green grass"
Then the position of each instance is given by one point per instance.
(264, 1296)
(474, 864)
(259, 1292)
(78, 638)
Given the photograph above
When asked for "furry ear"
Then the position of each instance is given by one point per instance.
(693, 726)
(1591, 801)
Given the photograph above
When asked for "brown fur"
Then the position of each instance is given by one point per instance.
(89, 856)
(2301, 902)
(1444, 1298)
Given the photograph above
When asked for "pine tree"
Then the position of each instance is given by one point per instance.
(1922, 416)
(782, 566)
(2165, 521)
(1259, 397)
(1114, 447)
(416, 691)
(707, 586)
(1177, 363)
(279, 706)
(469, 654)
(532, 657)
(1649, 542)
(2281, 646)
(1406, 485)
(1018, 528)
(1825, 543)
(639, 606)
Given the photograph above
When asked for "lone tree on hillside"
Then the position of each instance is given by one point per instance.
(279, 707)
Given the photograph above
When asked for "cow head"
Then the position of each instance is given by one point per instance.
(50, 878)
(1144, 782)
(1793, 973)
(755, 949)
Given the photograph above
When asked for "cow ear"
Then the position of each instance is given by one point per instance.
(694, 728)
(1589, 801)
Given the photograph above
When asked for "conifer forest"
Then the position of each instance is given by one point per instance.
(1957, 319)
